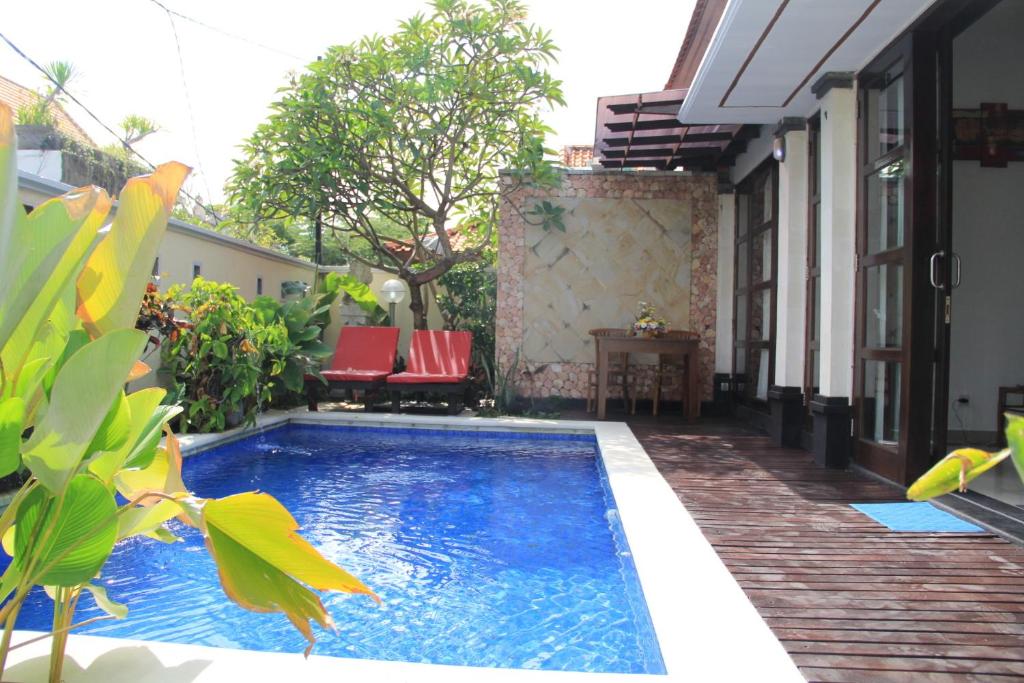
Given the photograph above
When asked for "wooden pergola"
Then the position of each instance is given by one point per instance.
(642, 131)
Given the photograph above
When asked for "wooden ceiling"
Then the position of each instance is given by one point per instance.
(641, 131)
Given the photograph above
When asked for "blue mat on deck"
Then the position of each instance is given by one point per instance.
(914, 517)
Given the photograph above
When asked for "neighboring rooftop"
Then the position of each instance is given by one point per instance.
(16, 96)
(577, 156)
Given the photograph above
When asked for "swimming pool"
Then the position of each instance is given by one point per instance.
(491, 549)
(706, 627)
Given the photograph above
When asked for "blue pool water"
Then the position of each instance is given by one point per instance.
(486, 549)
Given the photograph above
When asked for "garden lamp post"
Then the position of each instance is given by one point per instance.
(394, 292)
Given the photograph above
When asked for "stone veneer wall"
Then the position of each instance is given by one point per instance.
(649, 236)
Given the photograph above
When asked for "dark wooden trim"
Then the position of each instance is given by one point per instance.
(830, 80)
(753, 51)
(315, 386)
(455, 391)
(812, 321)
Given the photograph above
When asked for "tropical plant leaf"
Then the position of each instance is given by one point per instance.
(12, 417)
(954, 472)
(161, 476)
(359, 291)
(103, 601)
(115, 275)
(145, 410)
(9, 580)
(145, 520)
(263, 562)
(1015, 440)
(96, 371)
(113, 432)
(67, 542)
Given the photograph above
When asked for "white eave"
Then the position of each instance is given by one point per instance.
(766, 54)
(53, 188)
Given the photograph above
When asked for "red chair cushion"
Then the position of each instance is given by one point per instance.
(353, 375)
(440, 353)
(363, 349)
(424, 378)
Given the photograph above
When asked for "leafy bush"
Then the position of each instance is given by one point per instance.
(218, 359)
(98, 472)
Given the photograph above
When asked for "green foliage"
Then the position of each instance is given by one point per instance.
(960, 467)
(36, 113)
(71, 296)
(219, 357)
(412, 129)
(548, 215)
(468, 302)
(356, 290)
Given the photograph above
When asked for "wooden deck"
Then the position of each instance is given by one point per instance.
(849, 599)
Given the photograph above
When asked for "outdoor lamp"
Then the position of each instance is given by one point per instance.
(394, 291)
(779, 148)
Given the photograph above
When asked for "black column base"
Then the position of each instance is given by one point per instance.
(832, 442)
(787, 408)
(721, 404)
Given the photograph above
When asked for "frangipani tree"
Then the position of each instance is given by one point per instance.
(411, 129)
(70, 298)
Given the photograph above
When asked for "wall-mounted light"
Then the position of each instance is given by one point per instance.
(779, 148)
(787, 124)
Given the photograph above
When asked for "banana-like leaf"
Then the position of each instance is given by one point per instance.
(9, 580)
(12, 418)
(115, 275)
(265, 565)
(954, 472)
(1015, 440)
(113, 432)
(143, 406)
(162, 476)
(82, 531)
(145, 520)
(82, 394)
(10, 208)
(103, 601)
(359, 291)
(79, 214)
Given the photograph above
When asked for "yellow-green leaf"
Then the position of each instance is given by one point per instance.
(954, 472)
(12, 417)
(162, 476)
(142, 405)
(114, 279)
(103, 601)
(144, 520)
(82, 530)
(1015, 440)
(114, 430)
(263, 562)
(83, 392)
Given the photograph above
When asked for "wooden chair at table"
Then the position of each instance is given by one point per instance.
(673, 371)
(618, 372)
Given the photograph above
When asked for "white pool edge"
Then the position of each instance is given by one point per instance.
(706, 627)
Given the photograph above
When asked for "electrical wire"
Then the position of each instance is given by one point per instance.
(97, 119)
(235, 36)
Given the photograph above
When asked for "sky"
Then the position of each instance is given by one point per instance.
(213, 97)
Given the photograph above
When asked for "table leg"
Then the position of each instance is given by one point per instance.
(602, 380)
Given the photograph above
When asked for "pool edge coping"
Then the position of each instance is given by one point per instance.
(648, 510)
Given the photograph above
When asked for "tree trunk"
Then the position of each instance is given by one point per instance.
(419, 311)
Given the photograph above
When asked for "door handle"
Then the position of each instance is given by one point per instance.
(931, 269)
(956, 271)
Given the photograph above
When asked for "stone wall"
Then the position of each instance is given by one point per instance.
(629, 237)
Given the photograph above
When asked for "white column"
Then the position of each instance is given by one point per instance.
(724, 279)
(791, 280)
(838, 246)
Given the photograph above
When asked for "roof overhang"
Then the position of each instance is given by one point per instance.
(641, 131)
(766, 54)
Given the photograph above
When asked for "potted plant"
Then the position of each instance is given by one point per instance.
(648, 323)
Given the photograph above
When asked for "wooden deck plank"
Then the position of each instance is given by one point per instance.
(850, 600)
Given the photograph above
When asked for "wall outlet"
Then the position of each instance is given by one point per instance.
(963, 399)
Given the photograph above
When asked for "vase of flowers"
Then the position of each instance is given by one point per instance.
(648, 323)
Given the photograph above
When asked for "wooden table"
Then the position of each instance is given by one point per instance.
(687, 348)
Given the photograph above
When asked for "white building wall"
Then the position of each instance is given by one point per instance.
(46, 163)
(838, 223)
(791, 293)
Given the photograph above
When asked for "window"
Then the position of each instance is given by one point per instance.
(812, 359)
(197, 270)
(754, 322)
(259, 286)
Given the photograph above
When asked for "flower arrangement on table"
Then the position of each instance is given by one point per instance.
(647, 322)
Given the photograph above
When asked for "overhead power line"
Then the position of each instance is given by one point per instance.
(97, 119)
(229, 34)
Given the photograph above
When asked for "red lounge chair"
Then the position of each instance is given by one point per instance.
(363, 359)
(439, 363)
